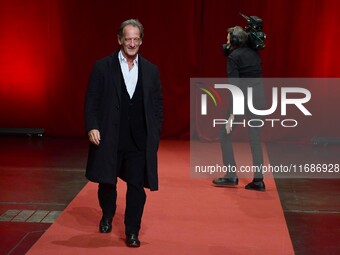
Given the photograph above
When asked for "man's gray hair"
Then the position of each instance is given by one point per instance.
(132, 22)
(240, 36)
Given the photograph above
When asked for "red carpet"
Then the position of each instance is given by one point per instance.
(186, 216)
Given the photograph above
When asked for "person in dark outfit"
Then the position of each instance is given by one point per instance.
(123, 116)
(244, 70)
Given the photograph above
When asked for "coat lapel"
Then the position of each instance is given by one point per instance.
(116, 74)
(145, 77)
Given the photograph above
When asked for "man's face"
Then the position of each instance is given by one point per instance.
(130, 41)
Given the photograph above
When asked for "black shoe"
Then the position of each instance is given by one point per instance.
(105, 225)
(132, 240)
(226, 181)
(256, 185)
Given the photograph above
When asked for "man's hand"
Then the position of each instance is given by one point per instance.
(228, 126)
(94, 136)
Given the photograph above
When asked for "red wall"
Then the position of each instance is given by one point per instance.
(48, 48)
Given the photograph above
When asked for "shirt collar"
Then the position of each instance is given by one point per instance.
(123, 59)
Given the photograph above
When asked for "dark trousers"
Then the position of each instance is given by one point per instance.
(255, 146)
(133, 162)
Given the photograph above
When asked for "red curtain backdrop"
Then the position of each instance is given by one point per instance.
(48, 48)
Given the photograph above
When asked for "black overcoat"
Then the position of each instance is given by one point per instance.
(102, 112)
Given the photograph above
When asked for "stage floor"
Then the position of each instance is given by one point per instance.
(40, 176)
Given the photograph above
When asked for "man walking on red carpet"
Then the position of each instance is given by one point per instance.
(123, 116)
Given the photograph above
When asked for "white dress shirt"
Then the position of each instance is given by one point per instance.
(130, 76)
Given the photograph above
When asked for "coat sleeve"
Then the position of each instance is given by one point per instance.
(158, 99)
(92, 99)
